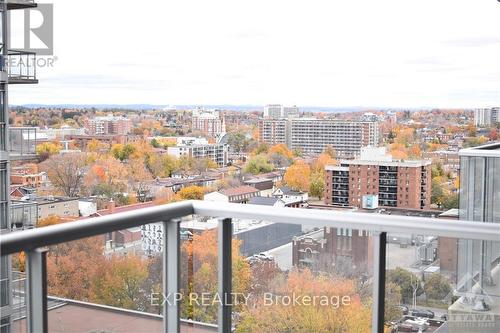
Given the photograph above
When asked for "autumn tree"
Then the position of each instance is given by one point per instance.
(66, 172)
(46, 149)
(161, 165)
(281, 149)
(258, 164)
(73, 266)
(317, 185)
(238, 141)
(392, 299)
(108, 177)
(139, 177)
(297, 176)
(199, 274)
(191, 193)
(122, 152)
(353, 315)
(119, 282)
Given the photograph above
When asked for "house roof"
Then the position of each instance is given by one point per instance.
(240, 190)
(127, 208)
(264, 201)
(289, 191)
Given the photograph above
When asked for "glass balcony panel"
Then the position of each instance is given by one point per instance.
(22, 141)
(21, 67)
(443, 283)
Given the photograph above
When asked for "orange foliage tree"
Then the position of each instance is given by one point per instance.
(281, 149)
(199, 275)
(297, 176)
(338, 307)
(120, 282)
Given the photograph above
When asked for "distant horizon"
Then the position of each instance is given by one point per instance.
(240, 107)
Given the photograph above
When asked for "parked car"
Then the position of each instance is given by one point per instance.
(422, 313)
(403, 308)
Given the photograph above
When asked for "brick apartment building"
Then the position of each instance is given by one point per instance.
(207, 122)
(375, 176)
(27, 176)
(334, 250)
(108, 125)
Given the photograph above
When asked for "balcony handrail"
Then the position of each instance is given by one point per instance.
(66, 232)
(34, 242)
(20, 52)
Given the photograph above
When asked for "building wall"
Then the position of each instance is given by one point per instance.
(312, 136)
(61, 208)
(342, 250)
(407, 187)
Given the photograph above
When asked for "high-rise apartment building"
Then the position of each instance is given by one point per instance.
(375, 176)
(276, 111)
(207, 122)
(273, 131)
(272, 111)
(15, 67)
(108, 125)
(486, 117)
(311, 135)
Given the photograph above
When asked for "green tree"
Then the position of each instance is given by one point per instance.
(437, 193)
(437, 287)
(451, 201)
(392, 299)
(407, 281)
(258, 164)
(317, 185)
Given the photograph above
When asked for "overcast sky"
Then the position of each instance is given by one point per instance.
(397, 53)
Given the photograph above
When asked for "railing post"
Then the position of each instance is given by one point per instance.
(171, 276)
(225, 274)
(379, 249)
(36, 290)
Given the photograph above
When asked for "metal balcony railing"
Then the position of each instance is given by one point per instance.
(22, 142)
(34, 241)
(21, 67)
(20, 4)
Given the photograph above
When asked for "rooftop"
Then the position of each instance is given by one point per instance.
(488, 150)
(76, 316)
(240, 190)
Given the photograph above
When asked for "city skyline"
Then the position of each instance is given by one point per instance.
(310, 55)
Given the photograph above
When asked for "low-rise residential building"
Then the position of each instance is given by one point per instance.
(26, 177)
(240, 194)
(55, 206)
(264, 185)
(291, 197)
(199, 148)
(393, 183)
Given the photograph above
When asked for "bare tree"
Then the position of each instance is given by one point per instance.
(66, 172)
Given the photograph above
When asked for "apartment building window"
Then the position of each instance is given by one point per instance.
(4, 283)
